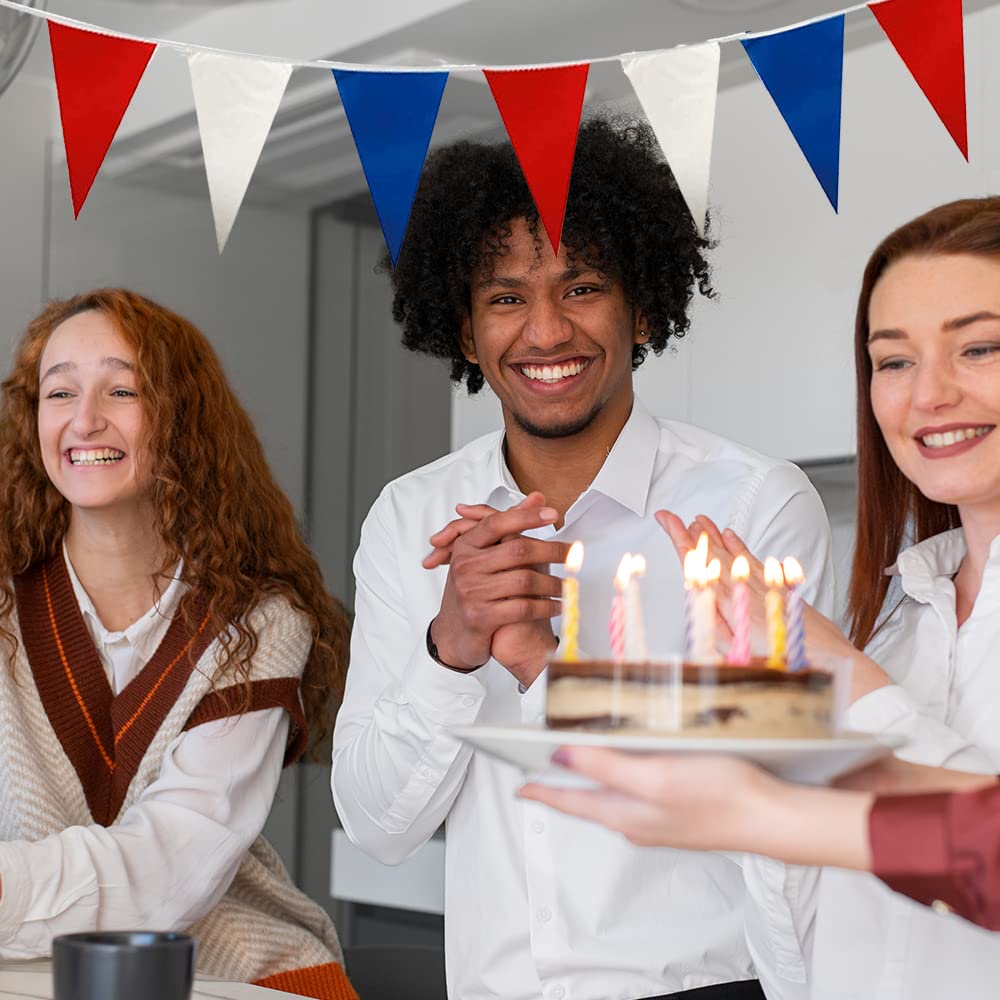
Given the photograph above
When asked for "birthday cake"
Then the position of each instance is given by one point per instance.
(688, 699)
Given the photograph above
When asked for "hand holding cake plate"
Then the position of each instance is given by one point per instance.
(807, 761)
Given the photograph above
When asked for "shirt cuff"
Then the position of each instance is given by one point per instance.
(910, 845)
(928, 741)
(445, 695)
(15, 894)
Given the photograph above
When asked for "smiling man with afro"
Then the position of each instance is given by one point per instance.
(454, 614)
(625, 215)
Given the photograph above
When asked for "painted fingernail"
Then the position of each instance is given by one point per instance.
(548, 513)
(561, 757)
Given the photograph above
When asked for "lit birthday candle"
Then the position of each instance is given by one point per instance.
(571, 603)
(774, 607)
(700, 578)
(635, 633)
(794, 578)
(616, 624)
(692, 563)
(739, 650)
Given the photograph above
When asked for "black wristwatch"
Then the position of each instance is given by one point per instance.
(432, 652)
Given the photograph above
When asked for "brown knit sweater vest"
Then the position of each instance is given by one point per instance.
(77, 754)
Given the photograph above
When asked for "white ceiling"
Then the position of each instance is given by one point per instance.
(310, 159)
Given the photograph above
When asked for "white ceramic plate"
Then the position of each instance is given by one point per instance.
(811, 762)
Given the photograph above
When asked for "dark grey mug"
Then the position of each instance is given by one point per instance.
(123, 965)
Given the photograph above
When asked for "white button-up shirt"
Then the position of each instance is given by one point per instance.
(870, 943)
(185, 836)
(539, 904)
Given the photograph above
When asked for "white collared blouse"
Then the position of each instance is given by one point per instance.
(870, 943)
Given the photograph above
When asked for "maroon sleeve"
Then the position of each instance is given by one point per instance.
(942, 848)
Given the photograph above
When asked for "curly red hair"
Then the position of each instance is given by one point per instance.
(215, 501)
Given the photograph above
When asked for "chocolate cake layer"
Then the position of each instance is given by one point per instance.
(690, 673)
(689, 699)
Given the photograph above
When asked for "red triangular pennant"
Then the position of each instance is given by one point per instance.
(96, 76)
(541, 110)
(928, 36)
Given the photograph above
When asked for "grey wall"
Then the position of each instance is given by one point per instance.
(25, 123)
(378, 410)
(251, 302)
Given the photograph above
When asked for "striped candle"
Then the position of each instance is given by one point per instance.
(635, 632)
(616, 624)
(700, 578)
(794, 578)
(739, 650)
(774, 607)
(571, 603)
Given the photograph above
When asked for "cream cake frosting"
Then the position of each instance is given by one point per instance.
(690, 699)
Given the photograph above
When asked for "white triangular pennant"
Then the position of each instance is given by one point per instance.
(677, 89)
(236, 100)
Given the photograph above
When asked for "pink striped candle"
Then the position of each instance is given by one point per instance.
(616, 624)
(739, 650)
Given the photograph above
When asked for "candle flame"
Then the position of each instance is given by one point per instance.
(574, 560)
(638, 566)
(713, 572)
(702, 548)
(741, 569)
(624, 572)
(690, 566)
(695, 563)
(793, 572)
(773, 575)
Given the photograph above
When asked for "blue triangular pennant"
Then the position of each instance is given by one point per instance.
(392, 117)
(803, 70)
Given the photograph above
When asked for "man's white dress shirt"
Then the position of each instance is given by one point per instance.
(870, 943)
(538, 904)
(176, 851)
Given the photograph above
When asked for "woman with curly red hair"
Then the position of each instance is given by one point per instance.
(169, 646)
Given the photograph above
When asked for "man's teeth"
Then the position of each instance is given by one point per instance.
(554, 373)
(953, 437)
(102, 456)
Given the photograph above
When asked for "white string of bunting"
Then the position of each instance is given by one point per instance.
(392, 110)
(328, 64)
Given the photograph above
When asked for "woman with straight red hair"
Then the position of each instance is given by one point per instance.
(168, 647)
(925, 609)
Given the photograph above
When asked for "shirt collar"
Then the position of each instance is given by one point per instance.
(938, 556)
(626, 474)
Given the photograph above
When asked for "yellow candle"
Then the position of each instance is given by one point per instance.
(774, 607)
(571, 603)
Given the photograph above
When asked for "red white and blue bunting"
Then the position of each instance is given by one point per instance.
(392, 110)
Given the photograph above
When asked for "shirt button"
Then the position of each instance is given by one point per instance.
(544, 915)
(468, 701)
(940, 906)
(521, 688)
(558, 992)
(538, 826)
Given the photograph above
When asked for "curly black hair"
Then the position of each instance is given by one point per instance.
(625, 216)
